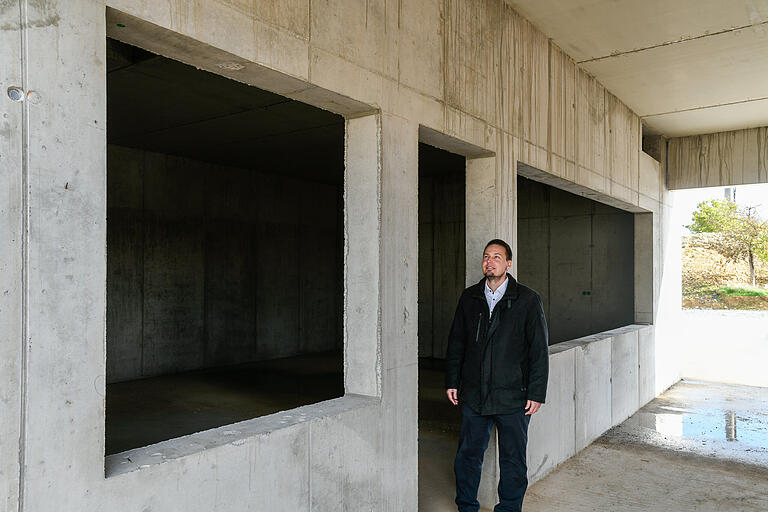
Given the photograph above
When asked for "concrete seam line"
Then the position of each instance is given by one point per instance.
(670, 43)
(25, 252)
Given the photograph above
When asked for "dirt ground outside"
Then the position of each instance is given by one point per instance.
(705, 273)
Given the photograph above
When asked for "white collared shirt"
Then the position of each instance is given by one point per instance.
(493, 297)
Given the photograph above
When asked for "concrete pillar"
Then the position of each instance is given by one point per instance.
(398, 269)
(362, 243)
(490, 213)
(65, 251)
(644, 254)
(13, 199)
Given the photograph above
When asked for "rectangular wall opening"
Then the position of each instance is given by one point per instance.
(442, 271)
(579, 255)
(224, 250)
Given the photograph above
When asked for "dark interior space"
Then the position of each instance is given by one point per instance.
(579, 255)
(442, 272)
(224, 250)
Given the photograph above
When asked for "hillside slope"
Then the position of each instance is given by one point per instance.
(706, 274)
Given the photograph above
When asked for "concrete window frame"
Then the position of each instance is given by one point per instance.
(362, 227)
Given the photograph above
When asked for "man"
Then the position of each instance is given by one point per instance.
(497, 367)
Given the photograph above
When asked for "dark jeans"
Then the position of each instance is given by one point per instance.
(473, 440)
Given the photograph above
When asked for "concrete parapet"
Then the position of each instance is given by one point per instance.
(551, 432)
(592, 358)
(624, 395)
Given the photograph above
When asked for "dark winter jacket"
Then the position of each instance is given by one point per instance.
(498, 363)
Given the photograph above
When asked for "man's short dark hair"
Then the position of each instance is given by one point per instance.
(505, 245)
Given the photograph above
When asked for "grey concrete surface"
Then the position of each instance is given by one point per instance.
(473, 72)
(698, 446)
(579, 255)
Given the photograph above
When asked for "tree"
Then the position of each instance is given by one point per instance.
(742, 234)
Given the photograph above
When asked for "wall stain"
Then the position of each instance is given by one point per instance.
(41, 13)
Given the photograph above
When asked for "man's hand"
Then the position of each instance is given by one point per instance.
(452, 396)
(531, 407)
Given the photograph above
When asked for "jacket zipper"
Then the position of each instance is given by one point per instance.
(479, 323)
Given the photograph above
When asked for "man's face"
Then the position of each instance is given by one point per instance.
(495, 263)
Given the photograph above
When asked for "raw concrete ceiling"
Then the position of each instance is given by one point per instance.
(161, 105)
(685, 66)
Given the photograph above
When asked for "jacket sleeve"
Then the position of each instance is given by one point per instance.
(538, 351)
(454, 357)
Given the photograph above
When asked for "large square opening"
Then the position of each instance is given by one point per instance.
(224, 250)
(579, 254)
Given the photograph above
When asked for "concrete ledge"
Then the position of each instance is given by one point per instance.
(234, 434)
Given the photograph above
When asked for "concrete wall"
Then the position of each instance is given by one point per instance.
(719, 159)
(579, 255)
(725, 346)
(472, 71)
(210, 265)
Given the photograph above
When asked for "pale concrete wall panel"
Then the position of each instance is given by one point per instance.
(532, 55)
(66, 245)
(332, 72)
(646, 365)
(551, 434)
(280, 49)
(480, 211)
(399, 433)
(342, 449)
(562, 114)
(650, 176)
(362, 247)
(399, 251)
(420, 46)
(590, 124)
(473, 30)
(624, 380)
(12, 200)
(593, 389)
(364, 33)
(292, 15)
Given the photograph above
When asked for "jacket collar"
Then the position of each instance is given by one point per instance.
(478, 290)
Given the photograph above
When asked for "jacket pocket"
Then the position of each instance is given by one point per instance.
(511, 378)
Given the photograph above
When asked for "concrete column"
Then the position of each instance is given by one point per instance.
(482, 224)
(644, 274)
(399, 323)
(13, 173)
(65, 254)
(362, 243)
(481, 219)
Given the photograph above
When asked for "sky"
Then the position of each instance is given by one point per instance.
(685, 201)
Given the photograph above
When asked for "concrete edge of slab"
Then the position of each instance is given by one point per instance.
(235, 433)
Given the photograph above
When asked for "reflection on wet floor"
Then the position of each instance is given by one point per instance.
(717, 420)
(699, 446)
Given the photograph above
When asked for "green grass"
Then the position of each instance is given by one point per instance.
(742, 291)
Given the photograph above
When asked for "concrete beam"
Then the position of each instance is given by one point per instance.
(718, 159)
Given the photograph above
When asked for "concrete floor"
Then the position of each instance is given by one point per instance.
(699, 446)
(146, 411)
(439, 423)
